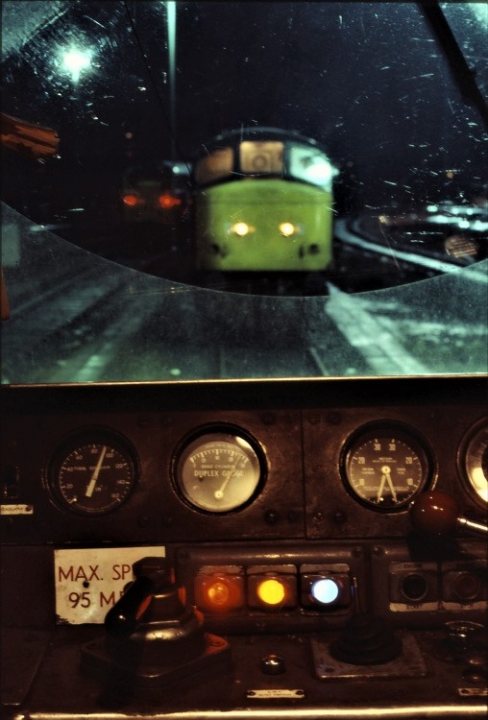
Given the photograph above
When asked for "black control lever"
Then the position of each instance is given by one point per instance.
(152, 576)
(122, 619)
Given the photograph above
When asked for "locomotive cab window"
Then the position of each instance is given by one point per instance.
(305, 198)
(244, 448)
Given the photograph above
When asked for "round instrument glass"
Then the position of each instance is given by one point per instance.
(93, 474)
(474, 460)
(384, 468)
(219, 471)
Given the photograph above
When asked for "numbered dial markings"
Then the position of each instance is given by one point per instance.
(385, 470)
(94, 476)
(219, 472)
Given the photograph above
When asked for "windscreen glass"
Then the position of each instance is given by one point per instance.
(197, 190)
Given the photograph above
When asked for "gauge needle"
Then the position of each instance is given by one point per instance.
(387, 475)
(219, 493)
(379, 496)
(93, 480)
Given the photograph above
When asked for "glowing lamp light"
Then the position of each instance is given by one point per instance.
(131, 200)
(219, 592)
(74, 61)
(271, 592)
(287, 229)
(320, 173)
(168, 202)
(241, 229)
(325, 591)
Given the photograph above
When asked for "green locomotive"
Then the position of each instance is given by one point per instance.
(263, 203)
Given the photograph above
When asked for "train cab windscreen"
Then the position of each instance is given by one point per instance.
(244, 292)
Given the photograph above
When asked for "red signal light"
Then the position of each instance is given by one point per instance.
(166, 201)
(131, 200)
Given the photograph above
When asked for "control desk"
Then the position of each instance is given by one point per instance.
(245, 549)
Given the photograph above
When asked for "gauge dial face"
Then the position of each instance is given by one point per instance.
(475, 464)
(93, 475)
(219, 472)
(385, 468)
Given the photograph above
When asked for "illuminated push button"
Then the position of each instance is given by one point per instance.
(272, 590)
(326, 591)
(219, 592)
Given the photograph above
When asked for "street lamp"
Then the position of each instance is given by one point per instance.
(74, 61)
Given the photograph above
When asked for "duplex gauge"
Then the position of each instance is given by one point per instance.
(474, 463)
(385, 467)
(93, 473)
(219, 471)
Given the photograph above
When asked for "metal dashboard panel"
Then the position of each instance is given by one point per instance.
(303, 427)
(303, 517)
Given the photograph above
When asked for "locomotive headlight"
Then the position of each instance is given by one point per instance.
(241, 229)
(287, 229)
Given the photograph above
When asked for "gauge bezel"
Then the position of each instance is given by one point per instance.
(402, 432)
(204, 433)
(82, 437)
(466, 451)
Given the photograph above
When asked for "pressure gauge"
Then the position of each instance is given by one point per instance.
(93, 473)
(385, 467)
(219, 471)
(474, 463)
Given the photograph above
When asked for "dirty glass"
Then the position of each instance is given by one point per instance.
(154, 154)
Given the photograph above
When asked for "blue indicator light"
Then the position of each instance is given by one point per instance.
(325, 591)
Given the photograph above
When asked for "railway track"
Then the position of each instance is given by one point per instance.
(85, 319)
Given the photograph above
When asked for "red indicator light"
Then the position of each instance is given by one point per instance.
(168, 202)
(219, 592)
(131, 200)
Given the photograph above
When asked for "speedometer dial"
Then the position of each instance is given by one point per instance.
(219, 471)
(385, 467)
(94, 473)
